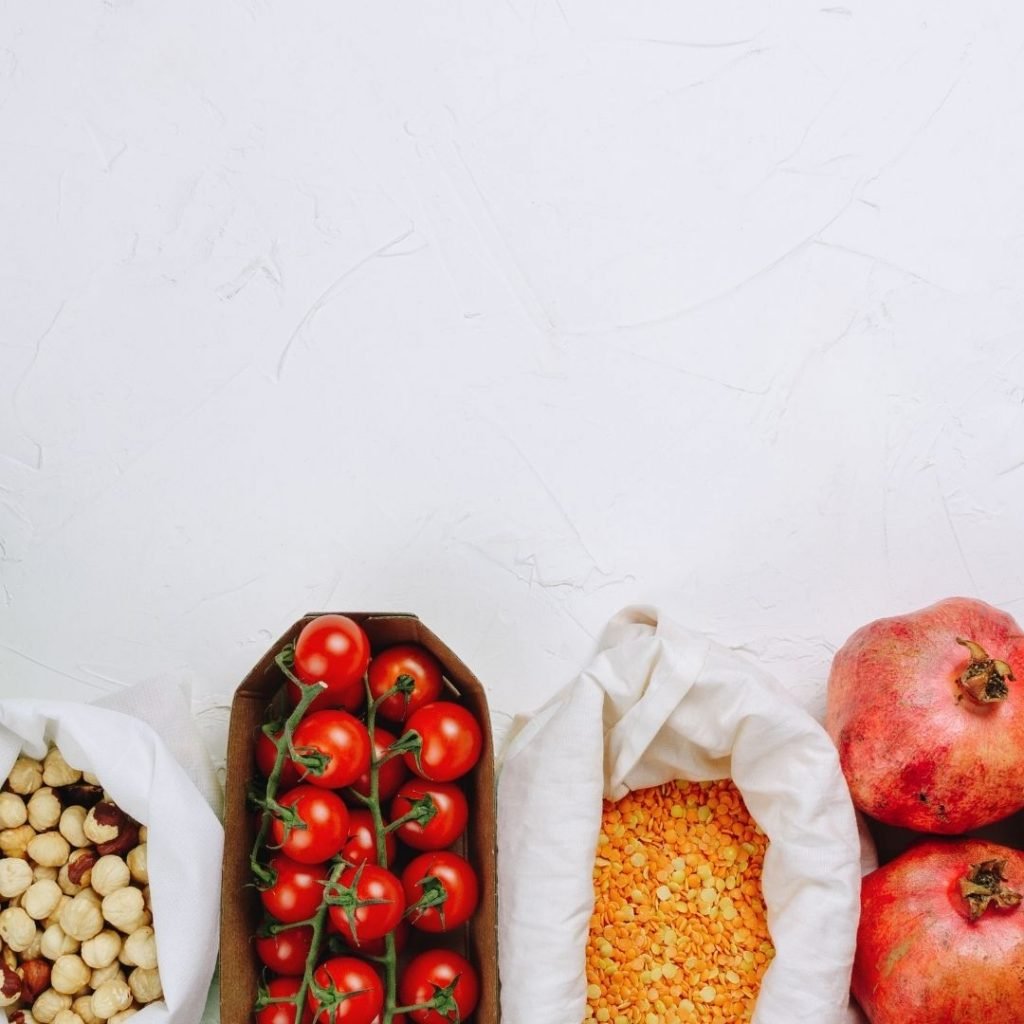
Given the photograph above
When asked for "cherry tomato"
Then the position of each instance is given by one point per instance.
(430, 973)
(285, 952)
(451, 811)
(337, 738)
(385, 899)
(376, 947)
(422, 672)
(282, 1013)
(361, 844)
(392, 772)
(347, 975)
(326, 825)
(447, 877)
(266, 754)
(450, 738)
(297, 892)
(334, 650)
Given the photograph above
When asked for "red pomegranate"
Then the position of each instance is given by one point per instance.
(941, 937)
(928, 722)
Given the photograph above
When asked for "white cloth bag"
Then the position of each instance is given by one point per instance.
(185, 838)
(659, 703)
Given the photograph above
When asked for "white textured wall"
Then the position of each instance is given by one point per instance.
(505, 313)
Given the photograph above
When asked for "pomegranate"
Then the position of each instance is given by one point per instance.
(941, 936)
(929, 728)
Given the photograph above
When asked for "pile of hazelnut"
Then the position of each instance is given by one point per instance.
(76, 936)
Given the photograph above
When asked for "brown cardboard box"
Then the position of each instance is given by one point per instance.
(240, 904)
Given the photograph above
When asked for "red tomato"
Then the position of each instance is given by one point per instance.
(352, 978)
(451, 811)
(377, 947)
(383, 895)
(420, 675)
(361, 844)
(285, 952)
(326, 825)
(450, 738)
(297, 892)
(266, 754)
(334, 650)
(432, 973)
(392, 772)
(449, 882)
(282, 1013)
(340, 741)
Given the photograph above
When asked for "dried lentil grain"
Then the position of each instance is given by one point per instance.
(679, 933)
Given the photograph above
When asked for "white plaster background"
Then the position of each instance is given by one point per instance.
(507, 314)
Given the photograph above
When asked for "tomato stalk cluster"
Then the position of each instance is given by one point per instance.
(329, 997)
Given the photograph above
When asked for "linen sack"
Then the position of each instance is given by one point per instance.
(658, 703)
(185, 839)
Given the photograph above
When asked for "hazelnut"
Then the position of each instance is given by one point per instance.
(14, 841)
(50, 849)
(15, 876)
(70, 974)
(137, 864)
(10, 986)
(54, 918)
(111, 997)
(145, 984)
(13, 811)
(83, 1007)
(120, 1018)
(39, 873)
(112, 972)
(48, 1004)
(71, 824)
(17, 929)
(125, 909)
(103, 949)
(41, 899)
(89, 778)
(80, 865)
(56, 942)
(104, 822)
(26, 776)
(34, 950)
(56, 771)
(35, 978)
(44, 809)
(140, 948)
(109, 874)
(67, 1017)
(81, 918)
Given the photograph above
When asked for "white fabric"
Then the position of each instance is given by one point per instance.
(660, 703)
(185, 838)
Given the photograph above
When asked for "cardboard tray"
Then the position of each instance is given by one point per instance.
(241, 910)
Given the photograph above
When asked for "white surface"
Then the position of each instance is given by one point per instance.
(508, 314)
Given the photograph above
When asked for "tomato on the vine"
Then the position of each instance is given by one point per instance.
(433, 973)
(417, 673)
(451, 812)
(339, 741)
(334, 650)
(446, 887)
(375, 903)
(361, 844)
(285, 952)
(450, 741)
(282, 1013)
(325, 818)
(297, 891)
(391, 774)
(376, 947)
(356, 993)
(266, 757)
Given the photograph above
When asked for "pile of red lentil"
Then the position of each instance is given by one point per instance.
(679, 933)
